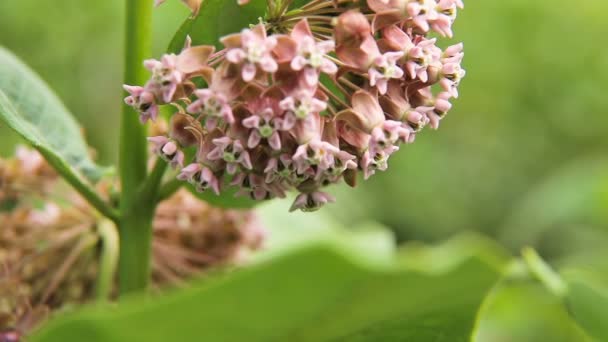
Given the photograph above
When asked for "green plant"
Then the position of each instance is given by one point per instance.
(325, 283)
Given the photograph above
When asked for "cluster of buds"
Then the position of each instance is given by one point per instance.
(50, 243)
(305, 99)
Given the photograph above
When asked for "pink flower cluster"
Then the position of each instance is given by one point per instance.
(334, 94)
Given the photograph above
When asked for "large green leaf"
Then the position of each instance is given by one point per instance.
(30, 108)
(317, 291)
(217, 18)
(523, 311)
(587, 301)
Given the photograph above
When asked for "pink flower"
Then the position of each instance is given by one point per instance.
(213, 106)
(386, 136)
(168, 150)
(376, 161)
(311, 56)
(452, 74)
(251, 49)
(389, 12)
(383, 69)
(256, 188)
(446, 10)
(280, 169)
(453, 54)
(311, 201)
(423, 14)
(342, 161)
(142, 101)
(194, 5)
(301, 106)
(165, 76)
(442, 106)
(264, 124)
(420, 54)
(232, 152)
(317, 153)
(201, 177)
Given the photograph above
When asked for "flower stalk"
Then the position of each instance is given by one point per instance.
(135, 223)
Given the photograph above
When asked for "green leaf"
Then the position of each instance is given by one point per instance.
(30, 108)
(318, 291)
(288, 230)
(523, 310)
(217, 18)
(587, 301)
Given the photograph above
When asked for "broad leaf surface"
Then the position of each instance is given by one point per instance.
(321, 290)
(522, 310)
(29, 107)
(587, 301)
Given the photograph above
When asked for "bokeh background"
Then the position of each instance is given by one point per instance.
(522, 158)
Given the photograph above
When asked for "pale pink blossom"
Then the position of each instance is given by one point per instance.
(214, 107)
(232, 152)
(168, 150)
(165, 76)
(264, 124)
(311, 57)
(383, 69)
(201, 177)
(300, 106)
(143, 102)
(317, 153)
(251, 49)
(311, 201)
(194, 5)
(452, 74)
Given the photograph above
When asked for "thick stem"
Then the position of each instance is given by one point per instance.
(135, 250)
(135, 224)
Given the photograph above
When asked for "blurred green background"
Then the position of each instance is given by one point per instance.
(521, 158)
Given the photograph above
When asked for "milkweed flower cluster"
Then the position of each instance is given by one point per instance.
(307, 98)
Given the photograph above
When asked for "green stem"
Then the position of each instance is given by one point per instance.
(169, 188)
(544, 273)
(150, 188)
(109, 259)
(135, 225)
(86, 191)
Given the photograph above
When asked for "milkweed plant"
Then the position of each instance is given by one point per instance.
(313, 93)
(306, 98)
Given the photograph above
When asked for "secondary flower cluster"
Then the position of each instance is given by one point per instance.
(50, 242)
(306, 99)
